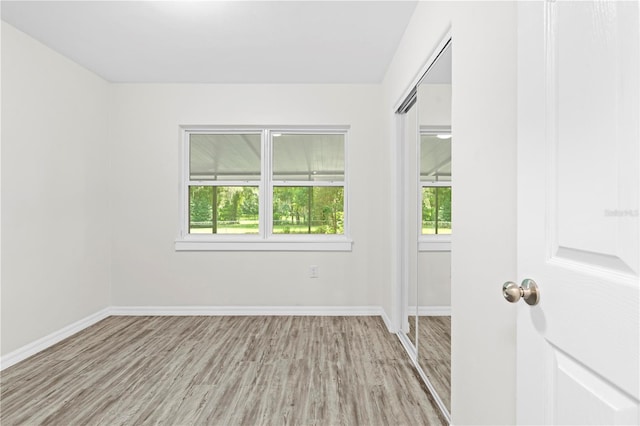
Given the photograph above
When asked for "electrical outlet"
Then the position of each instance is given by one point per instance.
(313, 271)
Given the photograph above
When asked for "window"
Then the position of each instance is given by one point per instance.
(435, 184)
(436, 210)
(264, 189)
(224, 183)
(308, 183)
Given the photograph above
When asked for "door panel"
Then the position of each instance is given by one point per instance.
(578, 192)
(593, 57)
(585, 398)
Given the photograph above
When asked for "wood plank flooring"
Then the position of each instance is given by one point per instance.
(434, 352)
(220, 371)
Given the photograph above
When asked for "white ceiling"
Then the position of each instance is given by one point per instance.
(220, 41)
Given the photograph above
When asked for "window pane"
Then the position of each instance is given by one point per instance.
(435, 157)
(308, 210)
(308, 157)
(224, 157)
(436, 210)
(223, 209)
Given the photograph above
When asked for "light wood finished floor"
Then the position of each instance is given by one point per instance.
(434, 352)
(220, 371)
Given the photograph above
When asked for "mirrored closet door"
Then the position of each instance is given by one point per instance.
(426, 179)
(435, 226)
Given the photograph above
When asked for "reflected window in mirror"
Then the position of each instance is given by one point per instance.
(435, 183)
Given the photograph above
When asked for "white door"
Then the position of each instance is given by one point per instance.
(578, 192)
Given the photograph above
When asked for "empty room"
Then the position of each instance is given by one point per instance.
(320, 212)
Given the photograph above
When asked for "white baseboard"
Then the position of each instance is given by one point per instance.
(33, 348)
(432, 311)
(247, 310)
(387, 321)
(53, 338)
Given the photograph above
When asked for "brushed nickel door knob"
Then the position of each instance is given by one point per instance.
(528, 291)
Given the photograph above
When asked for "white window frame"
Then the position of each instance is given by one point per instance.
(265, 240)
(431, 242)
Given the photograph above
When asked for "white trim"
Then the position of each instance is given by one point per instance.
(230, 183)
(248, 310)
(434, 183)
(264, 239)
(43, 343)
(399, 293)
(265, 207)
(257, 128)
(280, 183)
(262, 245)
(408, 346)
(404, 213)
(387, 321)
(432, 311)
(428, 129)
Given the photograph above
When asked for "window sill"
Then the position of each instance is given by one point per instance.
(263, 245)
(435, 245)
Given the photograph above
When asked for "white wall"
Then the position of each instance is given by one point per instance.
(484, 131)
(434, 279)
(145, 147)
(430, 281)
(55, 221)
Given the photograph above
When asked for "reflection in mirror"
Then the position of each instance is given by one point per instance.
(434, 191)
